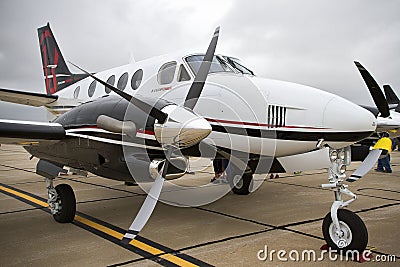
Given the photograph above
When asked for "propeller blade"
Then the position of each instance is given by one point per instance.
(391, 96)
(366, 165)
(152, 111)
(201, 76)
(148, 206)
(374, 90)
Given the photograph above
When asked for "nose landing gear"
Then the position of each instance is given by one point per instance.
(343, 230)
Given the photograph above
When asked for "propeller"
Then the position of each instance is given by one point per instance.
(198, 84)
(391, 96)
(375, 90)
(149, 203)
(382, 147)
(179, 125)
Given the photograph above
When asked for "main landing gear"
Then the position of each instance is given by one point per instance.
(61, 199)
(343, 230)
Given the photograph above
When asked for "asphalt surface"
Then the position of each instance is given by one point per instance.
(283, 214)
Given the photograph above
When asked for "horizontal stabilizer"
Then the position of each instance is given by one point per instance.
(29, 132)
(55, 104)
(26, 98)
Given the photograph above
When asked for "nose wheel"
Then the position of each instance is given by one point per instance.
(352, 233)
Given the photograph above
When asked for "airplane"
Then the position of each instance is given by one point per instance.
(185, 105)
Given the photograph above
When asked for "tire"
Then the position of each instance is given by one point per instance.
(67, 200)
(242, 185)
(355, 231)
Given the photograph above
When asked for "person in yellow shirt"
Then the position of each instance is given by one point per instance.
(384, 160)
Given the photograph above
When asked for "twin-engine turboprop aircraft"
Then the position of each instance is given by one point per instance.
(143, 121)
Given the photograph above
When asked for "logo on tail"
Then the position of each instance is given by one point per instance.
(56, 73)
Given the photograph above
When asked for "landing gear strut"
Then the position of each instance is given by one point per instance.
(342, 229)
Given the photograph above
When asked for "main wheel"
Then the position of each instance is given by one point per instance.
(353, 233)
(242, 184)
(67, 204)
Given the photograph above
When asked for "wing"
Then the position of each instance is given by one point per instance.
(55, 104)
(29, 132)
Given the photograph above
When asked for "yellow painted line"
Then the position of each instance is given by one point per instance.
(136, 243)
(99, 227)
(31, 199)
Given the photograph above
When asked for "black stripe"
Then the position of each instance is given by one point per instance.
(293, 135)
(60, 107)
(355, 176)
(133, 232)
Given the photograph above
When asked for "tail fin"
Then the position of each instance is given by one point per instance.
(56, 73)
(391, 96)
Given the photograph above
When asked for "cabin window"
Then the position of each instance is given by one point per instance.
(137, 79)
(92, 88)
(122, 81)
(166, 73)
(110, 80)
(183, 74)
(76, 92)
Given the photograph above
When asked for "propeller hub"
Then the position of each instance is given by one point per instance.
(183, 128)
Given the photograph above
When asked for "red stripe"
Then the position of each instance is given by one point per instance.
(261, 124)
(145, 132)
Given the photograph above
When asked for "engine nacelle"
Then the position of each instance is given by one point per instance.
(176, 168)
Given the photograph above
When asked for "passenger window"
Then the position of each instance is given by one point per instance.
(122, 81)
(110, 80)
(166, 73)
(183, 74)
(137, 79)
(76, 92)
(92, 88)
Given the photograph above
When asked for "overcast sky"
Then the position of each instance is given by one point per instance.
(311, 42)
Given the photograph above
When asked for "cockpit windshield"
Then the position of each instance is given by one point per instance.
(217, 64)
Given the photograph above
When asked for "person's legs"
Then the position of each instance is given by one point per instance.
(386, 164)
(379, 168)
(217, 164)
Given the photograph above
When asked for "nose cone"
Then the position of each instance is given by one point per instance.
(343, 116)
(183, 128)
(194, 131)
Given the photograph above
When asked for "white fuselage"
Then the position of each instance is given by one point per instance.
(266, 117)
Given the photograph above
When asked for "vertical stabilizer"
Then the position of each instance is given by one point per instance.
(56, 73)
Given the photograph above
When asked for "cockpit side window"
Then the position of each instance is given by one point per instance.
(183, 74)
(235, 63)
(166, 73)
(217, 65)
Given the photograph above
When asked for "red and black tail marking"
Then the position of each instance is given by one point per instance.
(56, 73)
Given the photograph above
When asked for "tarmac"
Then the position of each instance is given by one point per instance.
(283, 214)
